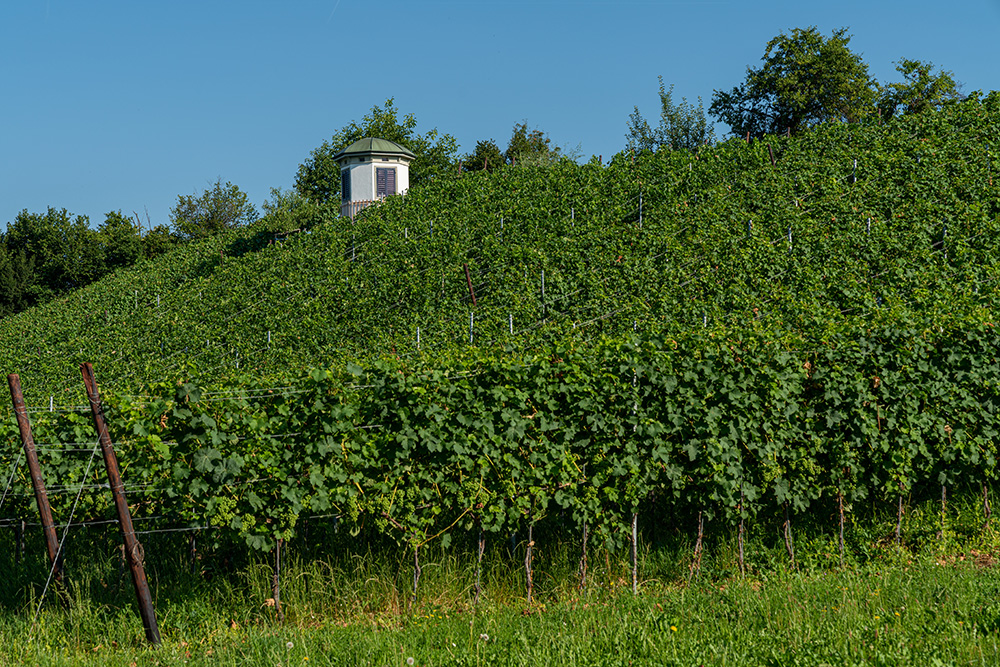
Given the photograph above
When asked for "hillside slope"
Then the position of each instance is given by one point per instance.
(842, 226)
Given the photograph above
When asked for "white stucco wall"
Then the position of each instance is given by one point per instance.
(363, 176)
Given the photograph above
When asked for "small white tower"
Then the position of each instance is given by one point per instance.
(370, 170)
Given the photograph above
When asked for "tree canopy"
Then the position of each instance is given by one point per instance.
(805, 79)
(43, 255)
(318, 178)
(682, 126)
(220, 207)
(486, 156)
(530, 147)
(525, 147)
(920, 90)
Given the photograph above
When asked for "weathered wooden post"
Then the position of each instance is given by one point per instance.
(133, 549)
(37, 481)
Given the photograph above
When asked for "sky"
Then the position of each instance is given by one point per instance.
(108, 106)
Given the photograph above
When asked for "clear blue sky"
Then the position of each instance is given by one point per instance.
(125, 105)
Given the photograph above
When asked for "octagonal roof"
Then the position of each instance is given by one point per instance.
(374, 146)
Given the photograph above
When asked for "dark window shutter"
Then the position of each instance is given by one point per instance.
(385, 182)
(345, 185)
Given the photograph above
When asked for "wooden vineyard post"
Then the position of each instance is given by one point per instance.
(527, 560)
(481, 547)
(468, 279)
(133, 549)
(635, 553)
(37, 481)
(276, 582)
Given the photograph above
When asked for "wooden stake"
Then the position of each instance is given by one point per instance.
(899, 520)
(527, 561)
(840, 504)
(37, 481)
(479, 559)
(944, 507)
(276, 582)
(696, 560)
(416, 574)
(788, 537)
(133, 549)
(635, 553)
(468, 280)
(987, 510)
(739, 536)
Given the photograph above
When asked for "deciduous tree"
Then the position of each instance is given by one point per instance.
(486, 156)
(530, 147)
(222, 206)
(121, 239)
(920, 90)
(62, 246)
(318, 178)
(805, 79)
(682, 126)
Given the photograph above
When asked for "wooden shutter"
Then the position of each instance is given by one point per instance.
(385, 182)
(345, 185)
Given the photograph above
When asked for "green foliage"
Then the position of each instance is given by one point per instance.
(62, 247)
(681, 126)
(678, 360)
(920, 90)
(217, 209)
(487, 156)
(318, 178)
(43, 256)
(530, 147)
(733, 427)
(17, 281)
(121, 240)
(805, 80)
(157, 241)
(906, 236)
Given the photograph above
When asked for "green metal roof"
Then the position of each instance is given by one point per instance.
(374, 146)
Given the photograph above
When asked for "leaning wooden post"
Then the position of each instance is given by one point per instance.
(468, 280)
(133, 550)
(37, 481)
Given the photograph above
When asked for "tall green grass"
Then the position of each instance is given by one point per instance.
(934, 599)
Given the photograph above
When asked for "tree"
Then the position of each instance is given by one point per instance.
(486, 156)
(919, 91)
(18, 282)
(318, 178)
(806, 79)
(287, 210)
(64, 249)
(221, 207)
(157, 241)
(121, 240)
(530, 147)
(682, 126)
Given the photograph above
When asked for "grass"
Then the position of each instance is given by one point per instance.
(934, 600)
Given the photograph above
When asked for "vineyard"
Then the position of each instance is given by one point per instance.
(838, 228)
(752, 332)
(692, 426)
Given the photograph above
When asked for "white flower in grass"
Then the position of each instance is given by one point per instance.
(485, 637)
(289, 645)
(409, 661)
